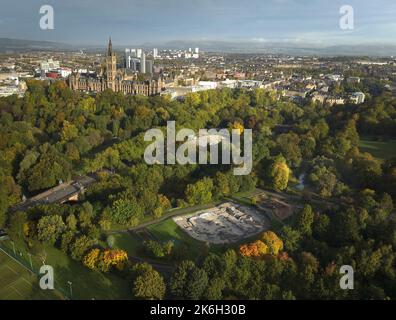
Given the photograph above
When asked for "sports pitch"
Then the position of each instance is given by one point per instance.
(17, 283)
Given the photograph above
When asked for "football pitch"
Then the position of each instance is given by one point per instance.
(17, 283)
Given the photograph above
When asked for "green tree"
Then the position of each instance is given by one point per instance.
(148, 283)
(188, 281)
(305, 220)
(80, 246)
(291, 238)
(199, 192)
(49, 228)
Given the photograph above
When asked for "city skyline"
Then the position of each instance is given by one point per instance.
(257, 22)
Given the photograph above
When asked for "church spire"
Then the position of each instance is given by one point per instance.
(110, 48)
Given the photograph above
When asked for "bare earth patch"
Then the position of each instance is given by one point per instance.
(226, 223)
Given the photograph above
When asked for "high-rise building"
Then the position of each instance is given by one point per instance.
(149, 66)
(128, 58)
(155, 53)
(139, 53)
(197, 50)
(143, 63)
(135, 64)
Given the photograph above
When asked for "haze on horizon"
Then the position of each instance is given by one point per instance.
(90, 22)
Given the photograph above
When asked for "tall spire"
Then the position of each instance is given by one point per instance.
(110, 48)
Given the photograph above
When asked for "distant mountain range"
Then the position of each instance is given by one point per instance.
(14, 45)
(285, 48)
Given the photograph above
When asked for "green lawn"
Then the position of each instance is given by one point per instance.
(128, 242)
(86, 284)
(381, 150)
(17, 283)
(169, 230)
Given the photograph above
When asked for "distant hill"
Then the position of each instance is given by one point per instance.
(281, 48)
(12, 45)
(288, 48)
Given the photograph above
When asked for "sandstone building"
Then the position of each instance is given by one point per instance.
(114, 79)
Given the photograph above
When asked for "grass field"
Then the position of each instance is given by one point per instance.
(128, 242)
(381, 150)
(169, 230)
(86, 284)
(17, 283)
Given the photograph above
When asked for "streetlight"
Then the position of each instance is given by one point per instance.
(71, 289)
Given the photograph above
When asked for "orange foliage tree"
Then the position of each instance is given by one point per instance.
(255, 249)
(104, 260)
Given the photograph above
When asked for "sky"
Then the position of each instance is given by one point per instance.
(91, 22)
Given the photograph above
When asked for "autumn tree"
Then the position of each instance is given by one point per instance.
(273, 242)
(279, 174)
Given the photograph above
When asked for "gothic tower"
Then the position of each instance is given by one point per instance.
(111, 67)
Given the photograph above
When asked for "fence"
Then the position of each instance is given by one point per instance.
(31, 267)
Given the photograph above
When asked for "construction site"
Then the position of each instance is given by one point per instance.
(224, 224)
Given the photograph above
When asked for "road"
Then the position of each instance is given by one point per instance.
(164, 269)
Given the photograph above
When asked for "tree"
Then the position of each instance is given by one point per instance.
(345, 227)
(80, 246)
(215, 288)
(188, 281)
(3, 208)
(255, 249)
(16, 225)
(71, 222)
(113, 257)
(291, 238)
(288, 146)
(48, 170)
(66, 240)
(148, 283)
(49, 228)
(273, 242)
(91, 260)
(126, 210)
(305, 220)
(200, 192)
(321, 225)
(279, 173)
(222, 187)
(69, 131)
(154, 248)
(323, 180)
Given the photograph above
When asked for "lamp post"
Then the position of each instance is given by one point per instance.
(71, 289)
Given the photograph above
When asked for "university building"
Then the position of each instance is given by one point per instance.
(114, 79)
